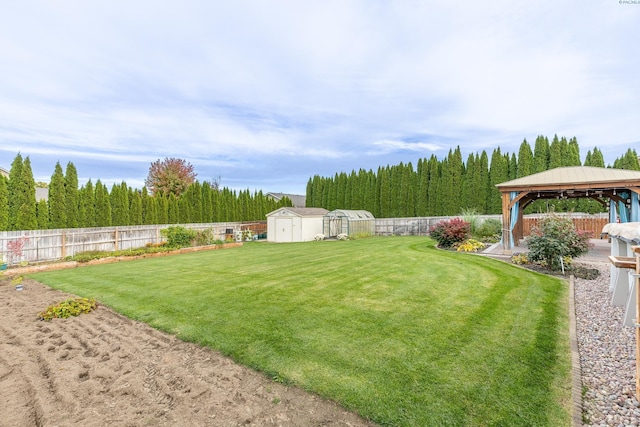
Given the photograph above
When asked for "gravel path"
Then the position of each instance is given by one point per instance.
(607, 354)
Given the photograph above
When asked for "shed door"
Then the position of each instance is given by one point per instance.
(284, 230)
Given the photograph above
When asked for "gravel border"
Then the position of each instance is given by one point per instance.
(607, 360)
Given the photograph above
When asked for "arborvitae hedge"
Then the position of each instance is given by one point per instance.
(449, 186)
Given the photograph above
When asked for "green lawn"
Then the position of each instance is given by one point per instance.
(392, 328)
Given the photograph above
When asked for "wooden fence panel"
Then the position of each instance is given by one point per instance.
(50, 245)
(594, 225)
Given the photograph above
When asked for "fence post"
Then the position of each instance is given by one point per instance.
(115, 239)
(63, 250)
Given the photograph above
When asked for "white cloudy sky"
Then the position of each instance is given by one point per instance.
(266, 94)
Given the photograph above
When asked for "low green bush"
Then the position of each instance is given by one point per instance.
(68, 308)
(178, 236)
(206, 237)
(556, 238)
(489, 230)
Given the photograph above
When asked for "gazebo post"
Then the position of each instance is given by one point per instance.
(519, 231)
(506, 221)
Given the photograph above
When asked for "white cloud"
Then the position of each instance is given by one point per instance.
(284, 84)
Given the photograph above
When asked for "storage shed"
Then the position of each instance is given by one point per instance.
(349, 222)
(288, 224)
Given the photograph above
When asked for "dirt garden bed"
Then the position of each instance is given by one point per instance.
(104, 369)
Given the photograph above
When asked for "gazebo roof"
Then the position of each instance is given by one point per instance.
(621, 187)
(574, 177)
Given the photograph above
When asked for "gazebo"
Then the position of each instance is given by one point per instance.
(620, 187)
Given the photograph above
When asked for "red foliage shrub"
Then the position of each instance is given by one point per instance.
(448, 233)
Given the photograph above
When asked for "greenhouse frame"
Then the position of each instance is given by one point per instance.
(349, 222)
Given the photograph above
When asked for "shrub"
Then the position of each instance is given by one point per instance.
(70, 307)
(520, 259)
(318, 237)
(178, 236)
(470, 245)
(448, 233)
(342, 236)
(555, 238)
(489, 230)
(471, 216)
(205, 237)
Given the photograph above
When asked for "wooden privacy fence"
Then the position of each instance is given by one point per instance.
(588, 223)
(51, 245)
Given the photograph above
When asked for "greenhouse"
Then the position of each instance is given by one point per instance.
(349, 222)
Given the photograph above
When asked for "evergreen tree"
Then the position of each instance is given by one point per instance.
(172, 209)
(498, 173)
(184, 209)
(135, 207)
(115, 201)
(146, 207)
(341, 191)
(15, 192)
(195, 200)
(556, 158)
(454, 181)
(541, 154)
(434, 180)
(574, 153)
(525, 160)
(628, 161)
(468, 183)
(444, 188)
(42, 214)
(27, 219)
(57, 194)
(71, 195)
(513, 166)
(4, 204)
(385, 193)
(119, 199)
(163, 209)
(594, 159)
(422, 188)
(102, 206)
(207, 207)
(87, 205)
(485, 179)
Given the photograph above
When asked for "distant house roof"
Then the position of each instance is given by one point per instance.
(4, 172)
(302, 212)
(298, 200)
(42, 194)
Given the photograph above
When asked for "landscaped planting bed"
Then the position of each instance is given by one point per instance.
(391, 328)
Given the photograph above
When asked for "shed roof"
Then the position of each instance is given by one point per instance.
(302, 212)
(573, 175)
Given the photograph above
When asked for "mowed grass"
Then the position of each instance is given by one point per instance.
(392, 328)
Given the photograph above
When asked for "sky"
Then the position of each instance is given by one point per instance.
(263, 95)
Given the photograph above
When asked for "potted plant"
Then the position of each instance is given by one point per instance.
(3, 265)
